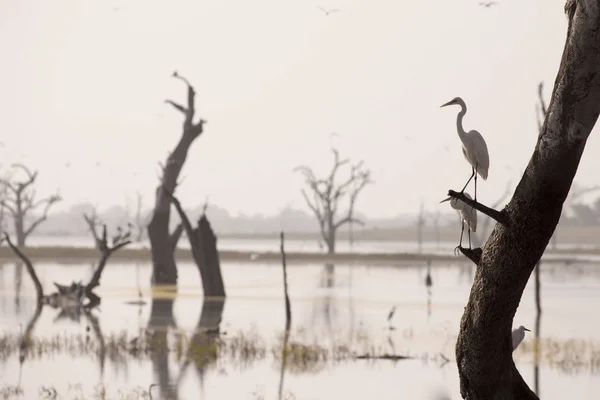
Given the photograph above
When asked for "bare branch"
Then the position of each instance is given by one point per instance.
(347, 220)
(472, 254)
(29, 266)
(189, 112)
(189, 230)
(174, 237)
(92, 222)
(49, 201)
(121, 239)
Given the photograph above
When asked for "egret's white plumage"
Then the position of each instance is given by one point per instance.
(474, 147)
(468, 214)
(518, 335)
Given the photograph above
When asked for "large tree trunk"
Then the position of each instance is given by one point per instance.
(207, 259)
(204, 250)
(483, 349)
(163, 244)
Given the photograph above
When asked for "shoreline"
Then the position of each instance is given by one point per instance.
(69, 255)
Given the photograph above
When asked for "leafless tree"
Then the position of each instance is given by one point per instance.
(21, 202)
(92, 221)
(162, 242)
(525, 226)
(74, 294)
(327, 196)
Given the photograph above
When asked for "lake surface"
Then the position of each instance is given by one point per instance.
(292, 245)
(340, 312)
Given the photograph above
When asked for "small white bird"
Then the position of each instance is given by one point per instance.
(473, 145)
(467, 214)
(518, 335)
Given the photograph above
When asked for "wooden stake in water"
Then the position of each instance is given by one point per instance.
(288, 309)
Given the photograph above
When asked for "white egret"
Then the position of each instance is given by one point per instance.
(467, 214)
(518, 335)
(474, 147)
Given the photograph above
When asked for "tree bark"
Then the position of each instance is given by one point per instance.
(483, 349)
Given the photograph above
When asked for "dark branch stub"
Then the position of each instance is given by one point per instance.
(472, 254)
(498, 216)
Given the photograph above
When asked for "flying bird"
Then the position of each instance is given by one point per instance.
(487, 4)
(518, 335)
(474, 147)
(328, 11)
(467, 214)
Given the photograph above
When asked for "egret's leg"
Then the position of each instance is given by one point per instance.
(475, 172)
(472, 175)
(469, 238)
(462, 230)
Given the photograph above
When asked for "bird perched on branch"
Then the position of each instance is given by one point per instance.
(473, 145)
(467, 214)
(518, 335)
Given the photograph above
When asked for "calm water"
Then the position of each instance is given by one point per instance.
(262, 245)
(348, 307)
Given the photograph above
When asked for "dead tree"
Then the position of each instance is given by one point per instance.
(525, 226)
(163, 243)
(72, 297)
(20, 201)
(327, 196)
(92, 221)
(203, 243)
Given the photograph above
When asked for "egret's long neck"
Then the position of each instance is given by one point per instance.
(459, 121)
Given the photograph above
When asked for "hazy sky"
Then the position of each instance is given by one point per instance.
(83, 82)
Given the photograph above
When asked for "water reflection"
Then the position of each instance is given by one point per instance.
(18, 285)
(161, 319)
(202, 350)
(257, 343)
(428, 285)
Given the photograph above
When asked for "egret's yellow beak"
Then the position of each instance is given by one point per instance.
(443, 201)
(447, 104)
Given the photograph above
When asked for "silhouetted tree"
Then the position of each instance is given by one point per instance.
(504, 265)
(162, 242)
(92, 221)
(327, 195)
(20, 201)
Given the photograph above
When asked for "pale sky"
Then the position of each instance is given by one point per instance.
(83, 82)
